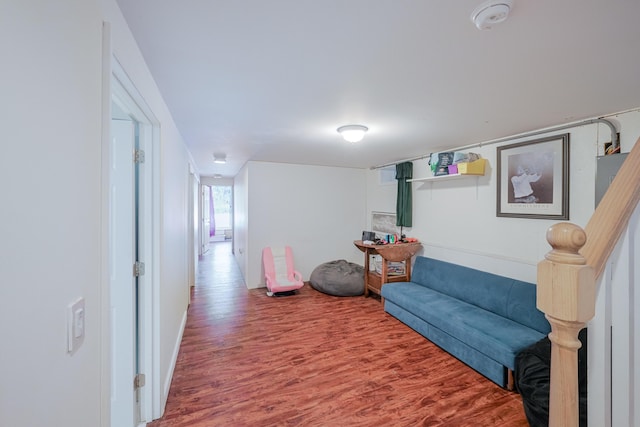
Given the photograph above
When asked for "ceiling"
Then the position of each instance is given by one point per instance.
(273, 80)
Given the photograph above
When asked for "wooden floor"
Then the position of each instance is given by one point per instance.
(316, 360)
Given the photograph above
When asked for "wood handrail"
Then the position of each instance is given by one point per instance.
(612, 215)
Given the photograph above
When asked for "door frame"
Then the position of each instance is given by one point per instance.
(193, 228)
(118, 87)
(204, 203)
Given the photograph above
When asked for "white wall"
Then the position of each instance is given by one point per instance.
(241, 218)
(456, 220)
(50, 218)
(318, 211)
(50, 221)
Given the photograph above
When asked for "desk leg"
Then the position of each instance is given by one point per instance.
(385, 272)
(383, 279)
(366, 273)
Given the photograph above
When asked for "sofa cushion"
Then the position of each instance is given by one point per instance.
(506, 297)
(496, 336)
(480, 362)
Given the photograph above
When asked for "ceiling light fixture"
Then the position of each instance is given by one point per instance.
(352, 133)
(220, 158)
(217, 176)
(490, 13)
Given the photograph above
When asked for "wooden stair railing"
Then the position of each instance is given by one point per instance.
(566, 294)
(566, 282)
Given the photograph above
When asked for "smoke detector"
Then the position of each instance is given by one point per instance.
(490, 13)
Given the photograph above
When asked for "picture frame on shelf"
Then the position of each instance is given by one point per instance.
(533, 179)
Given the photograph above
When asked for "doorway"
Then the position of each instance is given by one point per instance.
(217, 214)
(130, 228)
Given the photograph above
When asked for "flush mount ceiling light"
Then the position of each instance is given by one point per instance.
(217, 176)
(220, 158)
(352, 133)
(490, 13)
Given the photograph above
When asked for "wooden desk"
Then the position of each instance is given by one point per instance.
(400, 252)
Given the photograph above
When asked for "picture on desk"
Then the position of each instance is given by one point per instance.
(383, 223)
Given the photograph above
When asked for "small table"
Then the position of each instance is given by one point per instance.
(393, 252)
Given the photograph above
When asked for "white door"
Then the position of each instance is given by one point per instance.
(122, 247)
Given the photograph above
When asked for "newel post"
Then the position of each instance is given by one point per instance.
(566, 294)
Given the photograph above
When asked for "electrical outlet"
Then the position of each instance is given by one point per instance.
(75, 325)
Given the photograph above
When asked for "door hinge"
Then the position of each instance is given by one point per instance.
(138, 156)
(138, 269)
(139, 381)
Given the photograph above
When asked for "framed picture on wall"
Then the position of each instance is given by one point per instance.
(383, 223)
(533, 179)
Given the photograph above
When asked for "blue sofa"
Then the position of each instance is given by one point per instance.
(481, 318)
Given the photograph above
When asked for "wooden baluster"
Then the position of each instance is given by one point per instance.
(566, 294)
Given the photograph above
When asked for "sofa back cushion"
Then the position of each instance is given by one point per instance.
(510, 298)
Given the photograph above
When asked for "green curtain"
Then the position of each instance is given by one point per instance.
(404, 205)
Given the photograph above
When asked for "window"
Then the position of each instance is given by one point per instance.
(387, 175)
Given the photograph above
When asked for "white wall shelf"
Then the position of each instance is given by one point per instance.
(444, 177)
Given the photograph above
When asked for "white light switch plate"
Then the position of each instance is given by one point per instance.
(75, 325)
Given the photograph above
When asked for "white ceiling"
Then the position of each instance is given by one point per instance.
(272, 80)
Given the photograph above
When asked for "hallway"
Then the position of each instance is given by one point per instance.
(217, 273)
(315, 360)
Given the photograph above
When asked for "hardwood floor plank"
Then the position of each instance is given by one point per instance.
(316, 360)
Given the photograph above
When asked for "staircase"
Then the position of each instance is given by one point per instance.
(588, 279)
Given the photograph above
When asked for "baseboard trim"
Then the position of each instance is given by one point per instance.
(174, 360)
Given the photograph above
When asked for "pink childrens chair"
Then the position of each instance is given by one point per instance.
(279, 273)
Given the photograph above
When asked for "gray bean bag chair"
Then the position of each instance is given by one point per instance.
(340, 278)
